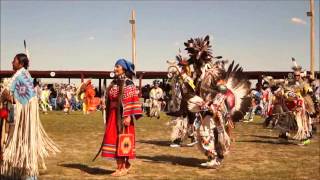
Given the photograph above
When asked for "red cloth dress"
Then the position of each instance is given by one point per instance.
(131, 107)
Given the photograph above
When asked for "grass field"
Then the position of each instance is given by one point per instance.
(256, 154)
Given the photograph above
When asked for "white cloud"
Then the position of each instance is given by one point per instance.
(296, 20)
(91, 38)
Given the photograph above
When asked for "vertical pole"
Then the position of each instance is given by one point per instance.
(104, 87)
(260, 80)
(69, 81)
(82, 77)
(104, 82)
(133, 37)
(312, 36)
(140, 84)
(100, 87)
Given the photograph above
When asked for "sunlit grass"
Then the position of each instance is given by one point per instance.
(256, 154)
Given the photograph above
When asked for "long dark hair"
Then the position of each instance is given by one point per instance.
(23, 59)
(129, 74)
(121, 84)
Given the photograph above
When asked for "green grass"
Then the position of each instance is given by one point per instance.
(256, 154)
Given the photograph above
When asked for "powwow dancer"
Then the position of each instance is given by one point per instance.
(221, 104)
(218, 101)
(29, 144)
(156, 96)
(6, 118)
(122, 106)
(289, 114)
(267, 98)
(256, 105)
(290, 109)
(81, 96)
(45, 105)
(4, 114)
(87, 93)
(218, 98)
(182, 89)
(66, 105)
(267, 102)
(269, 86)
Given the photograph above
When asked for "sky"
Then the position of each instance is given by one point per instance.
(92, 35)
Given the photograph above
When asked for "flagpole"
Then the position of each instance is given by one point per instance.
(312, 36)
(133, 36)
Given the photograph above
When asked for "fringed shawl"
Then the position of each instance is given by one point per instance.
(29, 144)
(128, 102)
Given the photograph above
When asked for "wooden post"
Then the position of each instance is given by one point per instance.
(69, 81)
(260, 79)
(100, 87)
(82, 77)
(140, 84)
(104, 82)
(312, 37)
(132, 21)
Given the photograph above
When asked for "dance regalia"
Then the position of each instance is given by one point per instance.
(156, 94)
(4, 113)
(183, 119)
(182, 89)
(267, 98)
(264, 102)
(282, 112)
(91, 102)
(299, 104)
(129, 105)
(216, 97)
(89, 97)
(289, 114)
(29, 144)
(45, 100)
(296, 104)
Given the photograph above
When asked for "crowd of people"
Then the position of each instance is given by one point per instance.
(288, 104)
(58, 97)
(69, 97)
(66, 97)
(204, 99)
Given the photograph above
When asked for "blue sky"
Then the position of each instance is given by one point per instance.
(91, 35)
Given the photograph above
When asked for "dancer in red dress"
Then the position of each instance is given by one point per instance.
(122, 107)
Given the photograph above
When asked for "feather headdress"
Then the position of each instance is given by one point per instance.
(26, 49)
(199, 50)
(295, 66)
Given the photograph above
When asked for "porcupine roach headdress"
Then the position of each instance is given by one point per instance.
(295, 66)
(199, 50)
(184, 63)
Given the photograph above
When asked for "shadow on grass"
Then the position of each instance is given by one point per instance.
(87, 169)
(254, 123)
(156, 142)
(175, 160)
(266, 142)
(264, 137)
